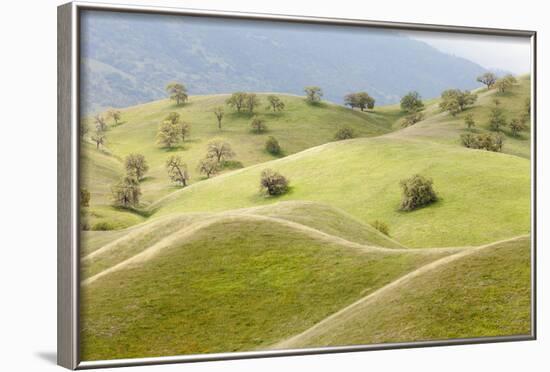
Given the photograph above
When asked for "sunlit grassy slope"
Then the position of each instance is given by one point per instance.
(359, 176)
(483, 196)
(218, 267)
(444, 128)
(484, 294)
(237, 284)
(320, 218)
(298, 127)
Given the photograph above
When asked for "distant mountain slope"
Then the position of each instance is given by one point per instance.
(129, 58)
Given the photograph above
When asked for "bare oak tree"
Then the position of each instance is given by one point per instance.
(219, 151)
(219, 112)
(177, 170)
(208, 167)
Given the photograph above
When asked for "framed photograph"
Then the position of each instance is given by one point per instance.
(237, 185)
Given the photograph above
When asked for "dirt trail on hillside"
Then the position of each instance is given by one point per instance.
(350, 310)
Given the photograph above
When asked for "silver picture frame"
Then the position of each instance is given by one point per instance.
(68, 174)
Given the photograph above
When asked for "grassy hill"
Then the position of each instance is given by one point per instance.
(444, 128)
(218, 266)
(318, 220)
(238, 283)
(485, 293)
(362, 177)
(371, 167)
(299, 127)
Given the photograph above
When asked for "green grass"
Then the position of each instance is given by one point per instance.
(218, 266)
(484, 294)
(121, 245)
(107, 217)
(444, 128)
(297, 128)
(327, 219)
(93, 240)
(232, 286)
(483, 196)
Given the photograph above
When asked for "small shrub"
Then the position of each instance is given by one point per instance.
(382, 227)
(517, 125)
(469, 121)
(497, 120)
(483, 141)
(417, 192)
(273, 182)
(272, 146)
(469, 140)
(344, 133)
(84, 221)
(102, 226)
(84, 197)
(258, 125)
(491, 141)
(412, 119)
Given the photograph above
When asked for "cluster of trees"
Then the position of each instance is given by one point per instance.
(418, 192)
(497, 120)
(127, 192)
(360, 99)
(242, 101)
(172, 130)
(412, 104)
(483, 141)
(99, 137)
(248, 102)
(505, 83)
(455, 100)
(490, 80)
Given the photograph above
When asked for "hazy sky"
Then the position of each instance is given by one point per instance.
(512, 54)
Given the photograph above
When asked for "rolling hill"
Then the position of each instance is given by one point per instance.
(321, 171)
(490, 285)
(299, 127)
(239, 282)
(218, 266)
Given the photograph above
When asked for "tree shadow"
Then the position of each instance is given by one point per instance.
(177, 148)
(319, 104)
(241, 115)
(232, 164)
(114, 125)
(147, 179)
(173, 105)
